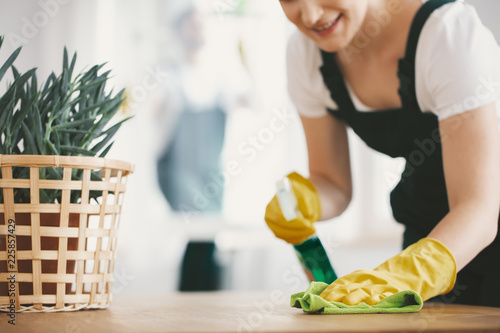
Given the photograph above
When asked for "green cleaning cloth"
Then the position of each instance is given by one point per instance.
(309, 301)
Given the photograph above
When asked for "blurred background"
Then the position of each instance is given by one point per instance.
(213, 130)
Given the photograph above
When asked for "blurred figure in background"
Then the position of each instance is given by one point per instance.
(192, 120)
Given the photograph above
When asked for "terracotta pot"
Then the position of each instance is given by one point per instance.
(23, 243)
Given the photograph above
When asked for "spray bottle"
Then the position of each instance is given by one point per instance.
(311, 253)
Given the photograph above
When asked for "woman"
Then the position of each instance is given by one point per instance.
(414, 79)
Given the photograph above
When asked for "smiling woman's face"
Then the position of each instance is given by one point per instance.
(331, 24)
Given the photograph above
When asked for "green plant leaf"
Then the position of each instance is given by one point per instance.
(15, 72)
(57, 141)
(38, 132)
(21, 114)
(93, 84)
(30, 146)
(34, 84)
(6, 105)
(67, 150)
(72, 66)
(55, 173)
(44, 197)
(73, 124)
(9, 62)
(65, 81)
(72, 131)
(108, 135)
(49, 81)
(65, 59)
(104, 104)
(52, 147)
(106, 151)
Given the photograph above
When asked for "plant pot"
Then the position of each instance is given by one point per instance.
(61, 255)
(23, 243)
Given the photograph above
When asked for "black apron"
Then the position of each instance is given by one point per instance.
(419, 201)
(190, 167)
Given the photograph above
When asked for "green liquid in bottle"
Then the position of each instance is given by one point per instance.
(314, 260)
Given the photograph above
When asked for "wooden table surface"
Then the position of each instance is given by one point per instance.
(245, 312)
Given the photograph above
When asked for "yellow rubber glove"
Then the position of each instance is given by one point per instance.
(299, 229)
(427, 267)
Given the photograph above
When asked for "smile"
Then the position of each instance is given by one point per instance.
(328, 27)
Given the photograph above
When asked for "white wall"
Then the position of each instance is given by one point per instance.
(488, 11)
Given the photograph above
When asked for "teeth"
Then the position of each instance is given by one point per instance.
(325, 27)
(329, 25)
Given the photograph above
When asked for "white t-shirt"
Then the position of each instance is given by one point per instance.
(457, 67)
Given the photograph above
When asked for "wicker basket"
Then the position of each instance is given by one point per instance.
(59, 256)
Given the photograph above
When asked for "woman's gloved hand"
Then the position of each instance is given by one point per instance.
(299, 229)
(427, 267)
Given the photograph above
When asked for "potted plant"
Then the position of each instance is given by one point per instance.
(59, 196)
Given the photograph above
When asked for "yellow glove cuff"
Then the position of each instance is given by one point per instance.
(447, 260)
(427, 267)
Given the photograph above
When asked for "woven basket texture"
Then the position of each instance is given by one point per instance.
(59, 255)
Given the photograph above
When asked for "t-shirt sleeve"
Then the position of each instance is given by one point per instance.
(458, 60)
(302, 77)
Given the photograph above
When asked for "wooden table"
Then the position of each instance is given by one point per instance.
(245, 312)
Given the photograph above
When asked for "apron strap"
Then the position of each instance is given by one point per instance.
(406, 69)
(334, 81)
